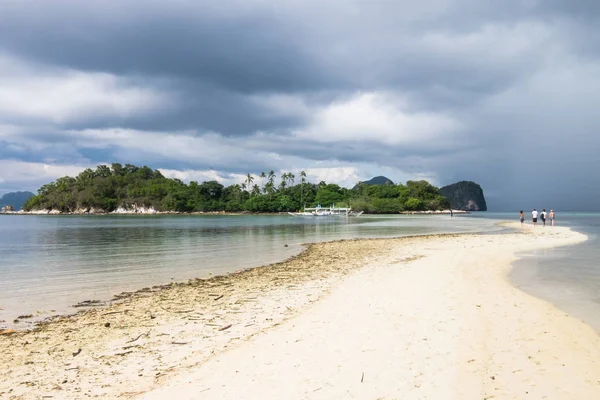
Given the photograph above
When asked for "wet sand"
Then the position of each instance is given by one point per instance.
(425, 317)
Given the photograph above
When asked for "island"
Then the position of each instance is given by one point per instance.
(131, 189)
(14, 200)
(465, 195)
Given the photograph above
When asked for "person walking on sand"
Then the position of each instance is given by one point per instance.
(534, 216)
(552, 215)
(543, 215)
(522, 217)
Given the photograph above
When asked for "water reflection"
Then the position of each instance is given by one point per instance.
(48, 263)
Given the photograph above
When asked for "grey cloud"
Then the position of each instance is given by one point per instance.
(240, 52)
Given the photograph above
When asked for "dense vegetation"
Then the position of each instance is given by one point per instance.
(15, 199)
(108, 188)
(465, 195)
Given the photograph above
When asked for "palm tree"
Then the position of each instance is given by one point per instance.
(271, 176)
(302, 182)
(262, 179)
(255, 189)
(249, 179)
(291, 177)
(236, 189)
(269, 189)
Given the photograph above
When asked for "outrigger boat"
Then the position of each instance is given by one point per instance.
(320, 211)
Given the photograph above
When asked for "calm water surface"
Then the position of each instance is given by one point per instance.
(49, 263)
(568, 277)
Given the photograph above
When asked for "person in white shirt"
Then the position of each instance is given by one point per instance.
(534, 215)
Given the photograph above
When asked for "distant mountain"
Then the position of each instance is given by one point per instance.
(15, 199)
(379, 180)
(465, 195)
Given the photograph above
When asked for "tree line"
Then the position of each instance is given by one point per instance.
(107, 188)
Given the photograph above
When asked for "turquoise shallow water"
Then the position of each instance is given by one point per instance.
(49, 263)
(568, 277)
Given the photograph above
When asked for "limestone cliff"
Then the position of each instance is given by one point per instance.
(465, 195)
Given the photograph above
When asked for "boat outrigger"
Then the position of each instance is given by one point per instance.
(320, 211)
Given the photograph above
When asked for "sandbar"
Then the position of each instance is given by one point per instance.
(429, 317)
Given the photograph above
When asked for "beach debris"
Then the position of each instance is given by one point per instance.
(180, 342)
(219, 298)
(139, 336)
(117, 312)
(7, 332)
(107, 325)
(77, 353)
(89, 303)
(362, 378)
(225, 327)
(182, 311)
(25, 316)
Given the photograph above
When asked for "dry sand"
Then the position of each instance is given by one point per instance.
(411, 318)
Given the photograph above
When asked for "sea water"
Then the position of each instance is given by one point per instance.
(49, 263)
(567, 276)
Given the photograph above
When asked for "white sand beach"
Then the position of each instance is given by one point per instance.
(411, 318)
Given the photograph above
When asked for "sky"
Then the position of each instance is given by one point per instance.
(503, 93)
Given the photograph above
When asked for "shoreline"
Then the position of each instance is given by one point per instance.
(176, 328)
(228, 213)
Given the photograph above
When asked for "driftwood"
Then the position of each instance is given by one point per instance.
(139, 336)
(76, 353)
(180, 342)
(116, 312)
(90, 303)
(219, 298)
(225, 327)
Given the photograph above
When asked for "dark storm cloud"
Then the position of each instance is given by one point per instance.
(242, 53)
(200, 107)
(210, 59)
